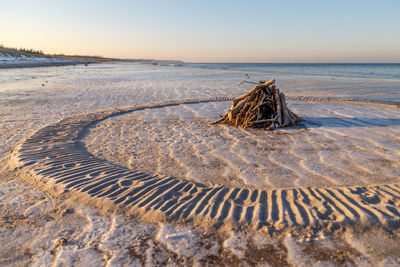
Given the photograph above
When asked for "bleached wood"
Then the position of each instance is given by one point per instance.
(263, 106)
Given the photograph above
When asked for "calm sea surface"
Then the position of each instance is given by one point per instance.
(361, 70)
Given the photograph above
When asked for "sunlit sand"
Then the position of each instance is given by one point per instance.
(131, 164)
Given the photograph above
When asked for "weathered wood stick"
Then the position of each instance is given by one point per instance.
(220, 120)
(247, 108)
(261, 99)
(285, 113)
(253, 97)
(255, 108)
(273, 89)
(294, 115)
(271, 127)
(240, 114)
(238, 108)
(297, 116)
(259, 114)
(247, 122)
(278, 107)
(268, 90)
(232, 112)
(258, 87)
(267, 103)
(250, 110)
(266, 120)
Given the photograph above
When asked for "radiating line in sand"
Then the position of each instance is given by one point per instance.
(55, 159)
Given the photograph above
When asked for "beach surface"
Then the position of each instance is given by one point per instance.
(116, 163)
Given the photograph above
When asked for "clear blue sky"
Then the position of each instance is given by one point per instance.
(208, 31)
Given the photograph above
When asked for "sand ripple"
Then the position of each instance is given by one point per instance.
(54, 158)
(337, 144)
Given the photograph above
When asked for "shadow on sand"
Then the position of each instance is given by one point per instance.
(340, 122)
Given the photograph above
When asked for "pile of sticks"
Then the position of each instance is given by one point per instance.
(262, 107)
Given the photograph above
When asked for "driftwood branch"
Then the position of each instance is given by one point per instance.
(263, 106)
(255, 89)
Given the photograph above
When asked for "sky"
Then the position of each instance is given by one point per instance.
(206, 30)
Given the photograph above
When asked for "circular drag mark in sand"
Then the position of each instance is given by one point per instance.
(54, 158)
(336, 144)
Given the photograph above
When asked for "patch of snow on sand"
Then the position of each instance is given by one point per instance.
(181, 240)
(7, 59)
(237, 244)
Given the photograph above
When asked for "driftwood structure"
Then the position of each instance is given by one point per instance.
(264, 106)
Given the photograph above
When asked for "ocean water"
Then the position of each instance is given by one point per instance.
(359, 70)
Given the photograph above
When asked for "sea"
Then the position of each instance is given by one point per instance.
(359, 70)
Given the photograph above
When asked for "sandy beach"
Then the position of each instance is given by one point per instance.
(116, 163)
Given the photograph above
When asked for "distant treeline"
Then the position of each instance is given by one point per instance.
(79, 57)
(39, 53)
(20, 51)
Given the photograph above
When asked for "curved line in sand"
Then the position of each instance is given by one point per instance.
(54, 157)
